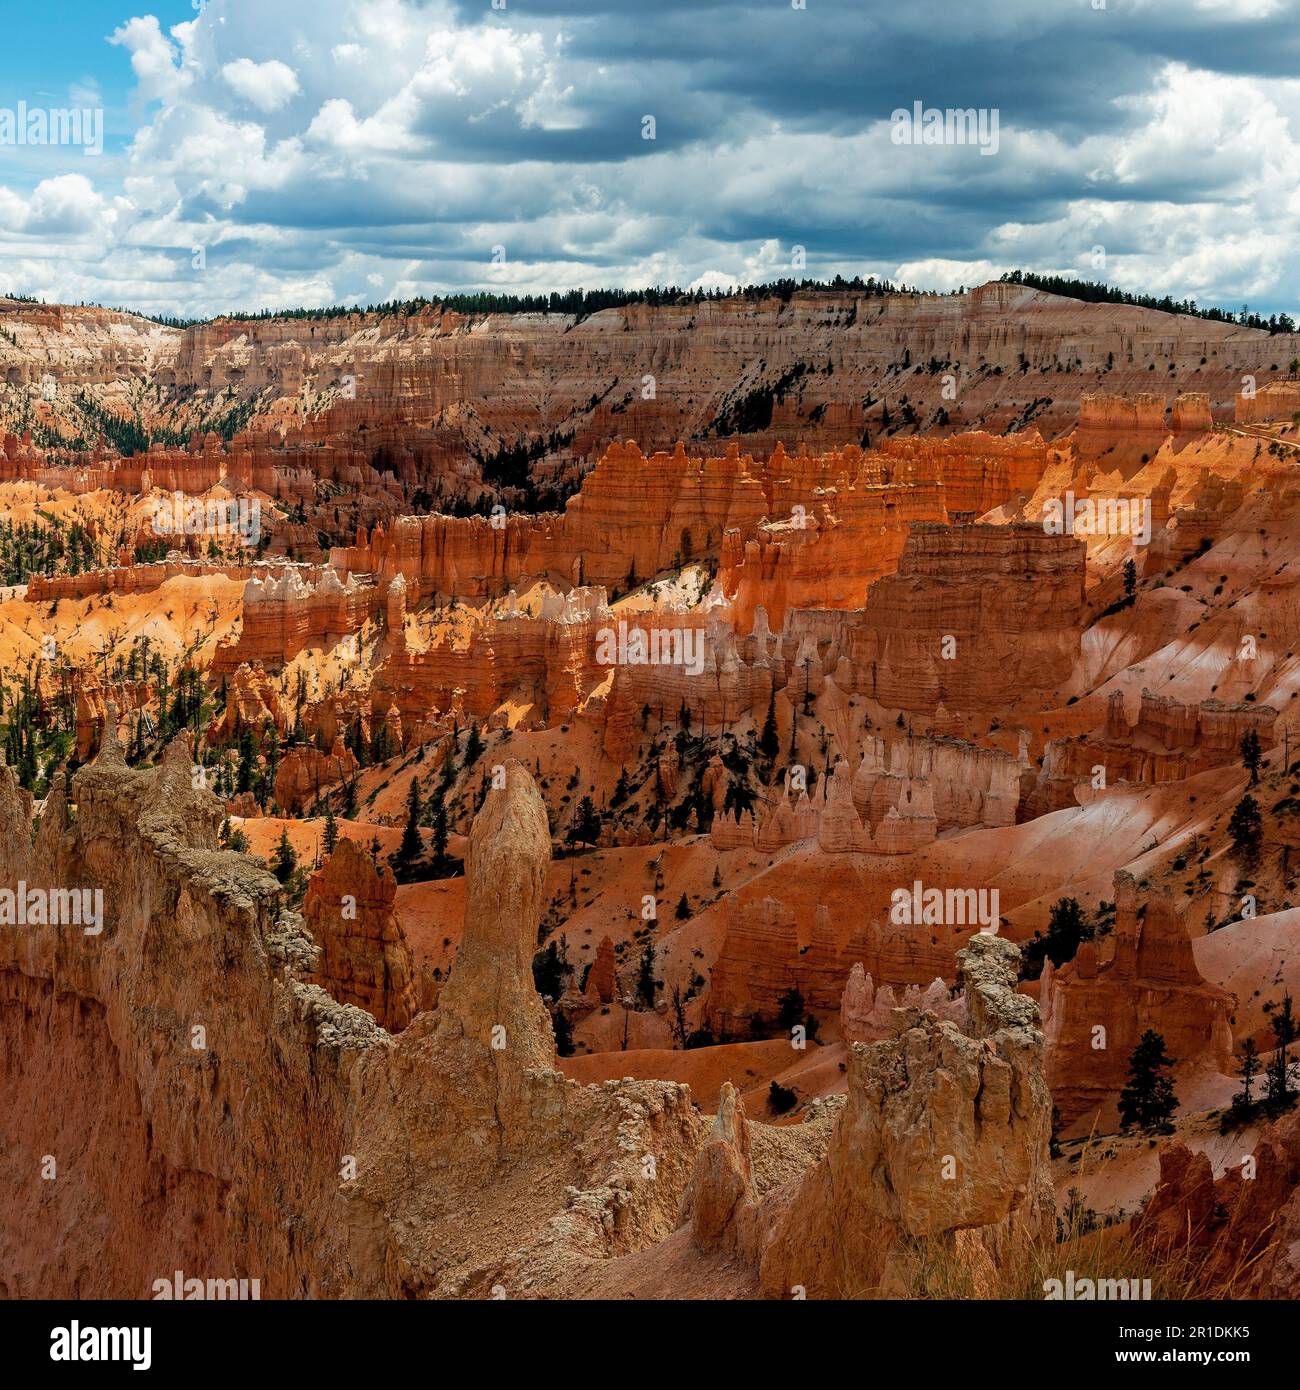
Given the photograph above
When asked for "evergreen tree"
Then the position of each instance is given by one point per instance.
(247, 762)
(1252, 755)
(1148, 1100)
(1068, 926)
(438, 823)
(331, 837)
(645, 979)
(790, 1008)
(551, 970)
(473, 746)
(769, 741)
(1130, 582)
(412, 846)
(1244, 1100)
(563, 1033)
(683, 908)
(781, 1099)
(1245, 827)
(1279, 1077)
(285, 860)
(586, 824)
(621, 790)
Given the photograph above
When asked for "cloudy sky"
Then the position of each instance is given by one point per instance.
(325, 151)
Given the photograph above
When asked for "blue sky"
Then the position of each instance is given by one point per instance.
(293, 152)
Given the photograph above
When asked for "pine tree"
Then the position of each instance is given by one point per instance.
(769, 741)
(1068, 926)
(1245, 827)
(586, 824)
(551, 970)
(563, 1033)
(680, 1032)
(438, 823)
(790, 1008)
(645, 980)
(1249, 1069)
(247, 762)
(1130, 582)
(683, 908)
(473, 746)
(412, 846)
(1252, 755)
(1148, 1100)
(621, 789)
(1279, 1077)
(331, 836)
(285, 860)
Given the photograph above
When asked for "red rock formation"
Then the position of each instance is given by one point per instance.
(1169, 741)
(602, 979)
(722, 1185)
(769, 948)
(867, 1013)
(139, 579)
(460, 380)
(284, 616)
(1136, 421)
(93, 701)
(942, 1145)
(252, 702)
(305, 772)
(549, 661)
(1191, 413)
(1241, 1233)
(219, 1090)
(1275, 400)
(364, 958)
(1149, 980)
(1010, 599)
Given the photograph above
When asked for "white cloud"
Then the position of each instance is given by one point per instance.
(267, 86)
(66, 205)
(158, 63)
(939, 274)
(408, 138)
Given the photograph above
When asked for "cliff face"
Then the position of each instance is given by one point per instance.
(1149, 981)
(283, 616)
(838, 522)
(364, 959)
(170, 1065)
(770, 947)
(1275, 400)
(820, 366)
(1169, 741)
(1242, 1232)
(942, 1145)
(281, 1134)
(975, 617)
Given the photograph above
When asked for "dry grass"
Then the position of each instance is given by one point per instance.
(965, 1266)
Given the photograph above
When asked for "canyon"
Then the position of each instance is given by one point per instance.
(726, 838)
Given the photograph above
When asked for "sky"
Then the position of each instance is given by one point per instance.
(292, 153)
